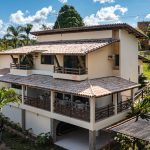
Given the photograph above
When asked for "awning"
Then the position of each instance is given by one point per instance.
(89, 88)
(75, 47)
(139, 129)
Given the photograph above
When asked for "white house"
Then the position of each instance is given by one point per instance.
(81, 76)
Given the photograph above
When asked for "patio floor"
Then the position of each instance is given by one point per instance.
(79, 140)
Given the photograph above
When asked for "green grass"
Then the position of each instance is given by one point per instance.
(15, 142)
(146, 71)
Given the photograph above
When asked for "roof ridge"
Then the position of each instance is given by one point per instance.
(91, 87)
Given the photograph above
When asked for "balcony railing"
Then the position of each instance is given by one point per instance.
(72, 109)
(37, 102)
(20, 66)
(123, 105)
(104, 112)
(76, 71)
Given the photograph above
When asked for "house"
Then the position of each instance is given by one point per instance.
(84, 77)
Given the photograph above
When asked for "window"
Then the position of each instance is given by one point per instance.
(117, 60)
(47, 59)
(16, 86)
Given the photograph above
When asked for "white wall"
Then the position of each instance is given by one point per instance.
(38, 123)
(5, 61)
(76, 36)
(98, 63)
(13, 113)
(128, 56)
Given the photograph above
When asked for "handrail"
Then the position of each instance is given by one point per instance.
(20, 66)
(78, 71)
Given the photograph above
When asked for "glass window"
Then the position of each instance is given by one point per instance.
(116, 60)
(47, 59)
(16, 86)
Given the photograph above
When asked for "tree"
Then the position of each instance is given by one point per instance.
(68, 17)
(15, 35)
(27, 29)
(45, 27)
(141, 109)
(7, 96)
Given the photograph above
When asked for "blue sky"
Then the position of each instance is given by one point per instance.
(37, 12)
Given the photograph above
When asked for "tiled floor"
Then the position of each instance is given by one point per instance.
(79, 140)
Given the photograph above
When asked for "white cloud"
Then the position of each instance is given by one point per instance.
(63, 1)
(20, 18)
(1, 23)
(111, 13)
(104, 1)
(147, 16)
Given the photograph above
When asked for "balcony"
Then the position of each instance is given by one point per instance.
(76, 110)
(41, 103)
(123, 106)
(77, 74)
(104, 112)
(20, 69)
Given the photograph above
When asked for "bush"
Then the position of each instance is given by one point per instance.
(142, 80)
(44, 139)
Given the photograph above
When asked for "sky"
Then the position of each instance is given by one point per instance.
(93, 12)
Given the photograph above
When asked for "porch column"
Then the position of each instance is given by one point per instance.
(132, 95)
(115, 100)
(92, 113)
(92, 140)
(23, 93)
(53, 126)
(52, 100)
(23, 118)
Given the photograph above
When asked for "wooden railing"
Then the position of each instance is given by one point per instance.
(38, 103)
(76, 71)
(104, 112)
(20, 66)
(123, 105)
(70, 109)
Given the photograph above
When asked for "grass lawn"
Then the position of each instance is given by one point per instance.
(146, 71)
(16, 143)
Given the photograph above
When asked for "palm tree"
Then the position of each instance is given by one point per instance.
(15, 35)
(7, 96)
(45, 27)
(141, 109)
(27, 29)
(4, 44)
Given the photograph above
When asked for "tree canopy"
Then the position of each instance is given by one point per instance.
(68, 17)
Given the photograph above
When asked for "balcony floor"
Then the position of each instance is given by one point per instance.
(79, 139)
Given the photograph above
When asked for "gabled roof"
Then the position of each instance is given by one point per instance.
(88, 88)
(75, 47)
(124, 26)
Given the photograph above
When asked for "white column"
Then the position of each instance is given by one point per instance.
(52, 100)
(23, 93)
(115, 97)
(92, 113)
(132, 95)
(92, 140)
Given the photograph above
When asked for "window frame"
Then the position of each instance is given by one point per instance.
(47, 62)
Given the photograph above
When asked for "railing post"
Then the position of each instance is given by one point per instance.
(132, 95)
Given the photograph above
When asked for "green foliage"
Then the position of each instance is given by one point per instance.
(142, 80)
(141, 109)
(44, 139)
(68, 17)
(123, 142)
(7, 96)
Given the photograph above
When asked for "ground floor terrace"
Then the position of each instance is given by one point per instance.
(89, 105)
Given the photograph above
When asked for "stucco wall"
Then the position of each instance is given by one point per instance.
(38, 123)
(5, 61)
(98, 63)
(128, 56)
(13, 113)
(76, 36)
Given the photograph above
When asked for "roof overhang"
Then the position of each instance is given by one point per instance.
(88, 88)
(139, 129)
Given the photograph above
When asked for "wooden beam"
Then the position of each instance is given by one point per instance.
(81, 62)
(13, 59)
(57, 62)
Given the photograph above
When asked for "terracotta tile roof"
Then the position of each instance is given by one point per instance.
(80, 47)
(89, 88)
(139, 129)
(124, 26)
